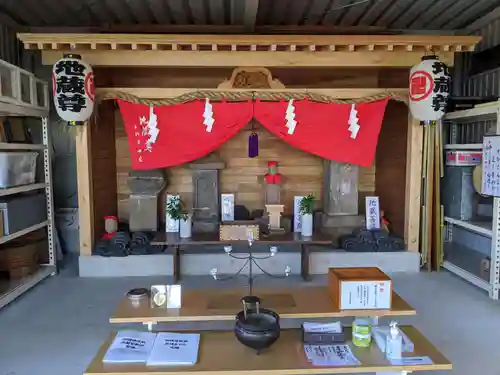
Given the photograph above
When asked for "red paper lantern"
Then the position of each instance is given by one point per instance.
(429, 89)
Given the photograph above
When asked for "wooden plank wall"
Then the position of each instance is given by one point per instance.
(303, 173)
(243, 176)
(390, 162)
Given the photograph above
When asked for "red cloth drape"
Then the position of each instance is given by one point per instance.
(321, 129)
(182, 135)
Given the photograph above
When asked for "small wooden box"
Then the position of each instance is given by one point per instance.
(366, 288)
(238, 231)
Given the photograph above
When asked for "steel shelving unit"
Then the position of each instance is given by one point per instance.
(462, 260)
(24, 95)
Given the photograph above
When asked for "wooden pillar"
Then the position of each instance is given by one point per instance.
(96, 176)
(85, 196)
(413, 183)
(340, 188)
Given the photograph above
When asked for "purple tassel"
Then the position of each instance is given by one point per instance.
(253, 145)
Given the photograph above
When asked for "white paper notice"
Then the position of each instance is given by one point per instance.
(359, 295)
(330, 355)
(297, 217)
(227, 207)
(372, 208)
(491, 166)
(130, 347)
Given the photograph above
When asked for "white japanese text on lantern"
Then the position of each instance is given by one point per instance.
(73, 87)
(429, 89)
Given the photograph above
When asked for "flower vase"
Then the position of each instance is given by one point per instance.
(307, 225)
(185, 227)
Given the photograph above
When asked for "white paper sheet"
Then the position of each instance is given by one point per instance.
(330, 355)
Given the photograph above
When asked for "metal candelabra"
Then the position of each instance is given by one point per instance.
(251, 260)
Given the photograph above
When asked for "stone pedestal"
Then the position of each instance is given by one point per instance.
(145, 187)
(274, 212)
(206, 193)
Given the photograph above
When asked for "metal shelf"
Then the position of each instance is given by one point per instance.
(33, 103)
(465, 263)
(466, 146)
(476, 113)
(22, 189)
(20, 146)
(489, 228)
(477, 226)
(9, 290)
(20, 233)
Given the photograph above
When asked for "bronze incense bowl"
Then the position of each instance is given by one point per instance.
(255, 327)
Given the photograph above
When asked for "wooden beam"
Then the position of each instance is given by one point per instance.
(118, 58)
(413, 184)
(159, 93)
(85, 194)
(46, 41)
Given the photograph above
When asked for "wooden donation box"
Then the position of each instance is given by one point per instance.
(360, 288)
(238, 231)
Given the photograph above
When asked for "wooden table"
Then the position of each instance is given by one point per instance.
(174, 241)
(221, 353)
(219, 304)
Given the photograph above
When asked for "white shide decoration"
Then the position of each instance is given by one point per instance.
(353, 122)
(152, 130)
(429, 89)
(73, 87)
(290, 117)
(208, 116)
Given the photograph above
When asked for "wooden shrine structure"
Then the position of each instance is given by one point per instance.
(340, 66)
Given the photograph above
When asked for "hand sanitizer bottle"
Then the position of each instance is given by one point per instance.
(394, 344)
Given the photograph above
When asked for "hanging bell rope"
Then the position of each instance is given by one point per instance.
(235, 96)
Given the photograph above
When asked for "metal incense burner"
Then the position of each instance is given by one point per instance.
(255, 327)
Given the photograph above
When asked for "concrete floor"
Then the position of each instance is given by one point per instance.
(57, 327)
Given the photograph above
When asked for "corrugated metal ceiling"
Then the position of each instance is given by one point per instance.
(383, 14)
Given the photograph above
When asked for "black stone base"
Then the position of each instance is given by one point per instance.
(124, 244)
(364, 240)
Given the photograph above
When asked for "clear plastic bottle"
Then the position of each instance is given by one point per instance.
(394, 344)
(362, 332)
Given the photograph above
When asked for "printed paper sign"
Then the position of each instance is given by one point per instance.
(491, 166)
(297, 217)
(372, 213)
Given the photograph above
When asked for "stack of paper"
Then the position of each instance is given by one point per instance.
(330, 355)
(162, 349)
(130, 347)
(174, 349)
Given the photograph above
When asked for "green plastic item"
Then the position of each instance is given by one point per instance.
(362, 332)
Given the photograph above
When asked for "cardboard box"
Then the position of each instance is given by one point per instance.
(366, 288)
